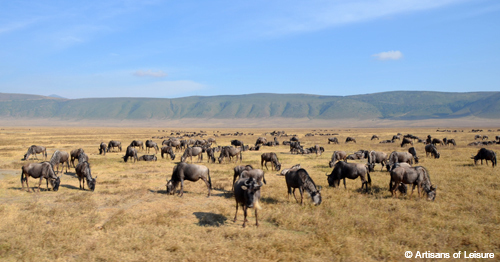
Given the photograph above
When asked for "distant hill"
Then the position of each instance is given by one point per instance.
(398, 105)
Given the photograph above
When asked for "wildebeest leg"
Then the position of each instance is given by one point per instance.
(295, 196)
(301, 190)
(40, 184)
(208, 185)
(345, 187)
(413, 188)
(245, 208)
(256, 218)
(236, 214)
(181, 192)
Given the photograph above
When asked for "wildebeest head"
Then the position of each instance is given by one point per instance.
(316, 196)
(437, 155)
(277, 166)
(55, 183)
(431, 195)
(251, 191)
(171, 185)
(91, 183)
(371, 167)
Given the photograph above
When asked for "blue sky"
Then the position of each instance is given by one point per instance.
(111, 48)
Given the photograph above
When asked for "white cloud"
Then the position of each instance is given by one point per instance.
(389, 55)
(150, 73)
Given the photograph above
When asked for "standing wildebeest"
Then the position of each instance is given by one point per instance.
(211, 155)
(260, 141)
(406, 141)
(83, 172)
(189, 172)
(343, 170)
(33, 150)
(147, 158)
(247, 194)
(103, 148)
(238, 170)
(413, 152)
(337, 156)
(40, 170)
(112, 144)
(286, 170)
(131, 152)
(151, 144)
(350, 139)
(74, 155)
(485, 137)
(485, 154)
(428, 140)
(399, 157)
(270, 157)
(257, 174)
(173, 142)
(333, 140)
(300, 179)
(167, 150)
(137, 143)
(417, 176)
(192, 151)
(375, 137)
(211, 140)
(431, 149)
(60, 157)
(376, 158)
(230, 152)
(436, 141)
(449, 141)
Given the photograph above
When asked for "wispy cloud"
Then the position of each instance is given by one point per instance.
(150, 73)
(389, 55)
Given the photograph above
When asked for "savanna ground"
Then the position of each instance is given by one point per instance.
(129, 217)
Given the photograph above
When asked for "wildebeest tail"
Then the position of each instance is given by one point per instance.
(209, 180)
(494, 160)
(23, 178)
(369, 178)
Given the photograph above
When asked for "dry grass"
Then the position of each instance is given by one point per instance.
(129, 217)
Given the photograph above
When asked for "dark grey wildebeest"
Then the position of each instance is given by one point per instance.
(300, 179)
(211, 155)
(343, 170)
(413, 152)
(192, 151)
(247, 194)
(137, 143)
(333, 140)
(375, 137)
(406, 141)
(190, 172)
(485, 154)
(230, 152)
(451, 141)
(41, 171)
(147, 158)
(238, 170)
(431, 149)
(34, 150)
(84, 173)
(74, 155)
(270, 157)
(112, 144)
(260, 141)
(337, 156)
(167, 150)
(375, 157)
(350, 139)
(399, 157)
(131, 152)
(103, 148)
(60, 157)
(257, 174)
(417, 176)
(436, 141)
(151, 144)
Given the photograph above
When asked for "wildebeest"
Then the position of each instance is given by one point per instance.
(172, 142)
(84, 173)
(147, 158)
(417, 176)
(478, 137)
(431, 149)
(300, 179)
(355, 156)
(399, 157)
(333, 140)
(413, 152)
(112, 144)
(74, 155)
(151, 144)
(247, 194)
(167, 150)
(103, 148)
(374, 137)
(137, 143)
(343, 170)
(406, 141)
(396, 137)
(449, 141)
(40, 170)
(236, 142)
(375, 157)
(485, 154)
(60, 157)
(350, 139)
(337, 156)
(211, 155)
(192, 151)
(257, 174)
(190, 172)
(131, 152)
(386, 141)
(238, 170)
(34, 150)
(436, 141)
(295, 147)
(286, 170)
(270, 157)
(230, 152)
(260, 141)
(212, 140)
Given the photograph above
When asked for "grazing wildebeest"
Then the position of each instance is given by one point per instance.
(260, 141)
(112, 144)
(60, 157)
(192, 151)
(137, 143)
(230, 152)
(257, 174)
(376, 158)
(300, 179)
(33, 150)
(131, 152)
(84, 173)
(247, 194)
(355, 156)
(255, 148)
(190, 172)
(103, 148)
(167, 150)
(406, 141)
(350, 139)
(485, 154)
(375, 137)
(147, 158)
(399, 157)
(286, 170)
(333, 140)
(211, 140)
(74, 155)
(386, 141)
(447, 141)
(151, 144)
(417, 176)
(40, 170)
(343, 170)
(396, 137)
(211, 155)
(337, 156)
(238, 170)
(295, 147)
(431, 149)
(294, 139)
(436, 141)
(485, 137)
(270, 157)
(478, 137)
(413, 152)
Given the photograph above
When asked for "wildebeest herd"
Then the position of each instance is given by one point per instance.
(248, 181)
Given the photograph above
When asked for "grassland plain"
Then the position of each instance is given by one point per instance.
(129, 217)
